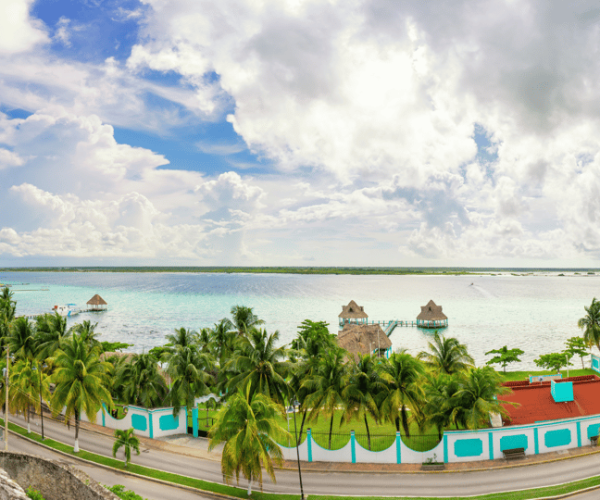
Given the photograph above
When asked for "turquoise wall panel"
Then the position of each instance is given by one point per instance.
(509, 442)
(468, 447)
(139, 422)
(168, 423)
(593, 430)
(560, 437)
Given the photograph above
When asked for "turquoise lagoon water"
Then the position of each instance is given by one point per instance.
(534, 313)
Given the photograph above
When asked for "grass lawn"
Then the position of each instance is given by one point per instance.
(514, 376)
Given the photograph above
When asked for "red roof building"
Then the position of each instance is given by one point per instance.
(537, 404)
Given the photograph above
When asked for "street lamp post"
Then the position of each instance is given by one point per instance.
(297, 450)
(6, 412)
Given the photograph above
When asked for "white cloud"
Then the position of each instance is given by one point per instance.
(9, 159)
(18, 31)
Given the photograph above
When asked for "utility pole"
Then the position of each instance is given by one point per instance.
(41, 400)
(6, 412)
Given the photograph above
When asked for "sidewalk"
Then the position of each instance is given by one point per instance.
(185, 444)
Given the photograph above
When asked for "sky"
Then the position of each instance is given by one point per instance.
(300, 133)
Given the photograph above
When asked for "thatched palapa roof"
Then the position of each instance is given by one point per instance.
(362, 339)
(431, 312)
(96, 300)
(353, 311)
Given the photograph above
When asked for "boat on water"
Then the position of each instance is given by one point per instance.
(66, 310)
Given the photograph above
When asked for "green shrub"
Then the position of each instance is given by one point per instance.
(34, 494)
(121, 492)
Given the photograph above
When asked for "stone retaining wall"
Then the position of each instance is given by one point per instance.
(54, 480)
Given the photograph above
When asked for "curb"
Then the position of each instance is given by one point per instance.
(218, 496)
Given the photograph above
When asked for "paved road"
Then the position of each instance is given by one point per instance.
(454, 484)
(147, 489)
(590, 495)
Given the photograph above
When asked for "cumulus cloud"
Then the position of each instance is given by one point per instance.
(18, 31)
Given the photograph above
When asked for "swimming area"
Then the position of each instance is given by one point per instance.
(536, 313)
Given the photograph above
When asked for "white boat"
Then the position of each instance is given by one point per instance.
(66, 310)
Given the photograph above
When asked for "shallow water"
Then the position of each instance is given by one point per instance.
(534, 313)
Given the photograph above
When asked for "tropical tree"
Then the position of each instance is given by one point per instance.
(187, 367)
(576, 346)
(141, 382)
(259, 363)
(402, 375)
(27, 387)
(440, 401)
(51, 330)
(249, 425)
(87, 331)
(553, 361)
(363, 386)
(504, 356)
(243, 319)
(182, 338)
(447, 355)
(223, 338)
(82, 382)
(326, 387)
(478, 397)
(21, 339)
(127, 440)
(590, 324)
(7, 312)
(204, 340)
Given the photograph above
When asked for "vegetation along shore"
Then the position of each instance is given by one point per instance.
(308, 270)
(331, 389)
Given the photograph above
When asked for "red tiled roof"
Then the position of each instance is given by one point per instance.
(536, 402)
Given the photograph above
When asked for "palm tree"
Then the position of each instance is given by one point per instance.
(243, 319)
(82, 382)
(447, 355)
(27, 387)
(250, 428)
(362, 391)
(326, 387)
(223, 338)
(187, 368)
(8, 309)
(128, 441)
(182, 338)
(477, 398)
(402, 374)
(86, 331)
(257, 362)
(21, 339)
(590, 324)
(205, 340)
(440, 396)
(140, 381)
(50, 331)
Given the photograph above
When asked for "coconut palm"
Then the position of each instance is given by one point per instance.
(86, 331)
(402, 374)
(243, 319)
(326, 387)
(249, 425)
(7, 312)
(82, 382)
(141, 382)
(182, 338)
(590, 324)
(447, 355)
(440, 401)
(363, 386)
(50, 331)
(27, 387)
(187, 367)
(257, 362)
(478, 397)
(127, 440)
(223, 338)
(21, 339)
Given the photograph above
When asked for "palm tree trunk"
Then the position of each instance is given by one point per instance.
(28, 419)
(301, 427)
(250, 486)
(331, 429)
(397, 422)
(404, 421)
(439, 433)
(368, 433)
(76, 447)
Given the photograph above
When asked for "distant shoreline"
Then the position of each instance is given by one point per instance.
(393, 271)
